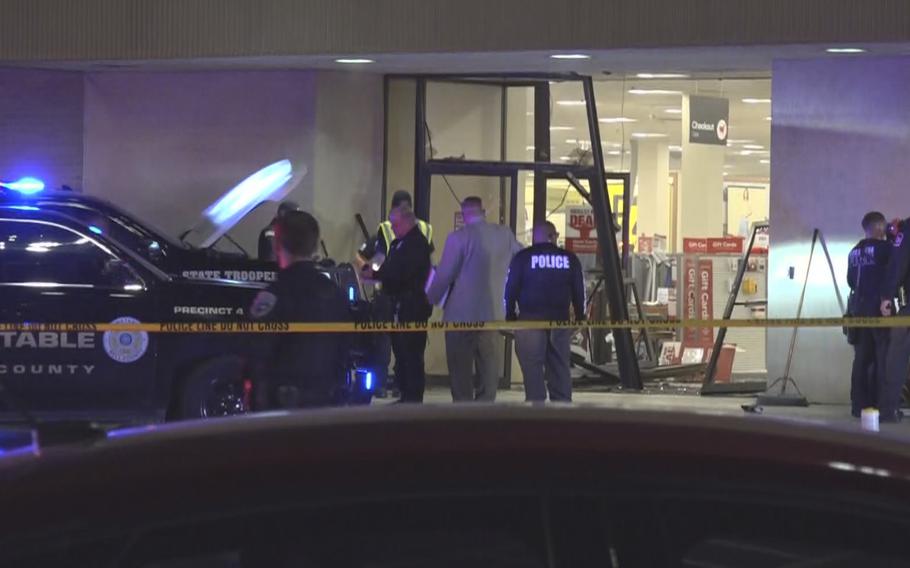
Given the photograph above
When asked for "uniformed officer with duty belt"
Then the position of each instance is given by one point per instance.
(403, 276)
(867, 263)
(898, 276)
(374, 253)
(543, 281)
(300, 370)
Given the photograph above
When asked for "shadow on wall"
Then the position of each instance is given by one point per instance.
(841, 137)
(166, 145)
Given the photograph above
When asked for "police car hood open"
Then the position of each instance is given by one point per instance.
(271, 183)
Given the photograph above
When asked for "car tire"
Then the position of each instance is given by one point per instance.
(214, 388)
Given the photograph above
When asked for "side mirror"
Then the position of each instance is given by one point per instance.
(119, 275)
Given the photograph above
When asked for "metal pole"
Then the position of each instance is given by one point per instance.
(606, 239)
(541, 148)
(799, 313)
(711, 371)
(385, 147)
(503, 141)
(421, 180)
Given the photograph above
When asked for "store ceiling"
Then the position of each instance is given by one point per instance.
(625, 117)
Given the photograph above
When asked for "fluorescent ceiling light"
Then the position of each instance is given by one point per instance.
(753, 152)
(571, 141)
(768, 118)
(530, 148)
(739, 141)
(753, 147)
(673, 111)
(764, 161)
(845, 50)
(354, 61)
(616, 120)
(614, 153)
(648, 135)
(676, 148)
(571, 103)
(565, 158)
(561, 128)
(726, 174)
(570, 56)
(653, 92)
(662, 76)
(752, 101)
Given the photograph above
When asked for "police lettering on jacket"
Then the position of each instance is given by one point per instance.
(544, 281)
(557, 261)
(868, 262)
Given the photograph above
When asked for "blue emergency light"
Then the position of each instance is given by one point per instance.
(352, 294)
(368, 381)
(95, 229)
(25, 186)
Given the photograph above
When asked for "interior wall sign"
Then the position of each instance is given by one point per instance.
(709, 120)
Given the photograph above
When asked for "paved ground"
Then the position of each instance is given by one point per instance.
(826, 413)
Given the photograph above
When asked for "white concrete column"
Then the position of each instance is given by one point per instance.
(701, 192)
(650, 172)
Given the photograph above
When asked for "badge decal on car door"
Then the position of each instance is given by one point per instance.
(125, 346)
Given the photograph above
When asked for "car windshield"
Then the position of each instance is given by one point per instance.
(142, 238)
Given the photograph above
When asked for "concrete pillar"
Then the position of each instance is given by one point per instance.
(701, 195)
(650, 172)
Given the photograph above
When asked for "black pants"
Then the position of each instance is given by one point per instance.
(896, 368)
(868, 376)
(409, 370)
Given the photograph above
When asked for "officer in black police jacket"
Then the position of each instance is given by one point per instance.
(403, 276)
(897, 277)
(867, 263)
(300, 369)
(543, 281)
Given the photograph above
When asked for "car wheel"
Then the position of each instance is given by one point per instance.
(215, 388)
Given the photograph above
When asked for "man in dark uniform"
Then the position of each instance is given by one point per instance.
(300, 369)
(897, 277)
(267, 236)
(374, 253)
(865, 275)
(543, 281)
(403, 276)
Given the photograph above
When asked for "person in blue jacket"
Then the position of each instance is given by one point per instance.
(545, 282)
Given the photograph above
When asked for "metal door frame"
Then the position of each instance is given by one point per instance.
(610, 257)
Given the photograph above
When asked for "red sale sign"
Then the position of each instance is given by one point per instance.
(581, 230)
(726, 245)
(690, 295)
(706, 300)
(698, 300)
(695, 246)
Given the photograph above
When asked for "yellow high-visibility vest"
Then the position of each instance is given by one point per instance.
(388, 235)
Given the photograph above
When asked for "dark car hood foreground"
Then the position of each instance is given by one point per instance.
(162, 473)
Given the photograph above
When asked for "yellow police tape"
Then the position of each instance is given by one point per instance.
(389, 327)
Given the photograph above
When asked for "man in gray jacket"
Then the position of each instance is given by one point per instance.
(473, 273)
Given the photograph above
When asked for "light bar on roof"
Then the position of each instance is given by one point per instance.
(25, 186)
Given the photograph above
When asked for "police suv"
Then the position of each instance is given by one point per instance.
(71, 258)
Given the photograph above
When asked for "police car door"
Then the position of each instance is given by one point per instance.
(52, 273)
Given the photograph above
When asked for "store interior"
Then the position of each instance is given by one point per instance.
(644, 131)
